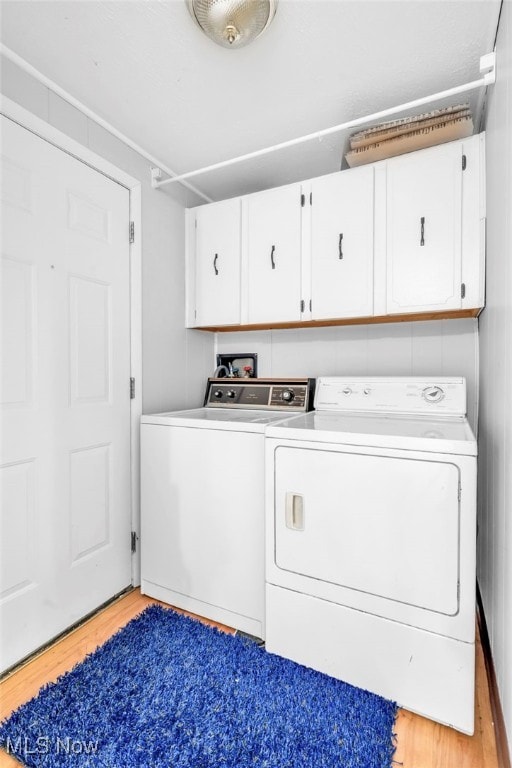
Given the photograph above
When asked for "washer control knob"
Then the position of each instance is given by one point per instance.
(288, 395)
(218, 393)
(347, 391)
(366, 390)
(433, 394)
(231, 393)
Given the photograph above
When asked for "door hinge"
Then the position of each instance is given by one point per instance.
(134, 541)
(463, 290)
(311, 198)
(459, 492)
(464, 162)
(302, 305)
(132, 232)
(310, 305)
(303, 200)
(132, 388)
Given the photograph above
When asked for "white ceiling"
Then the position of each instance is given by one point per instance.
(146, 68)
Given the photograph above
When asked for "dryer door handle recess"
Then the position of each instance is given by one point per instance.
(294, 511)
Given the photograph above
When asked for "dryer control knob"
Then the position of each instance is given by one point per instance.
(231, 393)
(366, 390)
(218, 393)
(288, 395)
(433, 394)
(347, 391)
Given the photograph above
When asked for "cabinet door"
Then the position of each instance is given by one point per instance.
(218, 263)
(342, 244)
(273, 234)
(424, 230)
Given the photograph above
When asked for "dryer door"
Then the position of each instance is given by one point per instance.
(382, 525)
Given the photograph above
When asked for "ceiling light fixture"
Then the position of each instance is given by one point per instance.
(232, 23)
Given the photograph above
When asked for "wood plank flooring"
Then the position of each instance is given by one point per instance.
(420, 742)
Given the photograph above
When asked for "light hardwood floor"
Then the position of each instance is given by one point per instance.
(420, 742)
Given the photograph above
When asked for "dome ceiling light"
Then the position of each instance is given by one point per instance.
(232, 23)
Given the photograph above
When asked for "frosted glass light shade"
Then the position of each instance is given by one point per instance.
(232, 23)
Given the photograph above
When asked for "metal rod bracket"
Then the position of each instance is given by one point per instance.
(156, 175)
(488, 67)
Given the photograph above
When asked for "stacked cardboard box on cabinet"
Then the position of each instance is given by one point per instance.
(409, 134)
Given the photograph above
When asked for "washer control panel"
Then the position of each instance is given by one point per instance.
(263, 394)
(404, 394)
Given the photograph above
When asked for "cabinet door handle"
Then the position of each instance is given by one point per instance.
(215, 264)
(272, 257)
(340, 246)
(294, 511)
(422, 232)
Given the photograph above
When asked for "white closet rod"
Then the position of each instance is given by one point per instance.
(33, 72)
(487, 65)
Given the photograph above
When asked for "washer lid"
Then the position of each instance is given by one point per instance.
(218, 418)
(420, 433)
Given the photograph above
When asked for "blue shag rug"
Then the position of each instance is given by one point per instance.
(168, 692)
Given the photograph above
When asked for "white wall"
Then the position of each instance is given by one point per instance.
(175, 361)
(434, 348)
(495, 481)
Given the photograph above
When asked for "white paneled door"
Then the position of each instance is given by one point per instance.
(65, 396)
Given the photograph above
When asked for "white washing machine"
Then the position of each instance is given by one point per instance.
(370, 541)
(202, 499)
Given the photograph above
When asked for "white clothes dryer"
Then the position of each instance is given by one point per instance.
(370, 541)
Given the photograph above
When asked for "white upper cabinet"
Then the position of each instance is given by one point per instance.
(217, 263)
(342, 244)
(424, 230)
(272, 241)
(403, 236)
